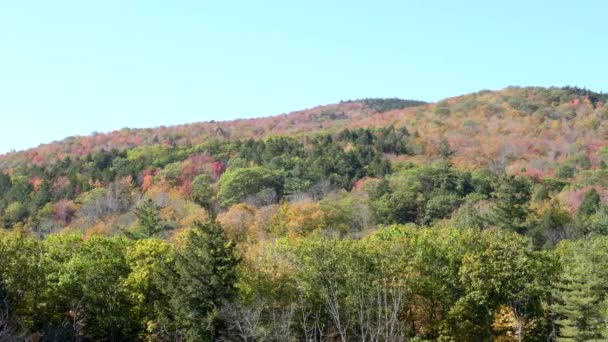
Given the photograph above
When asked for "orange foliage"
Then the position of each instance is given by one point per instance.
(238, 222)
(299, 218)
(36, 183)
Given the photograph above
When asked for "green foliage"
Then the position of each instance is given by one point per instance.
(511, 201)
(149, 222)
(20, 275)
(14, 212)
(199, 282)
(237, 184)
(89, 283)
(421, 195)
(580, 293)
(382, 105)
(170, 174)
(146, 259)
(202, 193)
(565, 171)
(442, 109)
(551, 225)
(590, 203)
(478, 260)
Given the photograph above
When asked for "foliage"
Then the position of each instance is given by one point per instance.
(365, 220)
(199, 282)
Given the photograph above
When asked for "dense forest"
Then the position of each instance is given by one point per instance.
(477, 218)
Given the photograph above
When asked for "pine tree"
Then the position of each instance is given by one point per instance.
(590, 203)
(200, 282)
(511, 204)
(580, 308)
(149, 221)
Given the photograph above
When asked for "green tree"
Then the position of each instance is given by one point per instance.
(57, 303)
(445, 151)
(146, 258)
(510, 207)
(580, 292)
(590, 203)
(502, 268)
(200, 282)
(21, 280)
(202, 194)
(236, 185)
(90, 281)
(149, 222)
(15, 212)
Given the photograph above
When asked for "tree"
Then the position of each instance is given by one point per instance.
(200, 282)
(236, 185)
(590, 203)
(238, 221)
(15, 212)
(21, 279)
(503, 269)
(90, 283)
(445, 151)
(511, 203)
(550, 223)
(5, 183)
(580, 292)
(145, 259)
(149, 222)
(202, 194)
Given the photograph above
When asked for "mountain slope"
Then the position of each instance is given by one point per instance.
(93, 183)
(532, 130)
(334, 116)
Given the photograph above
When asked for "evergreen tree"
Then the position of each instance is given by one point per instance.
(511, 204)
(590, 204)
(580, 308)
(445, 151)
(149, 222)
(201, 191)
(580, 303)
(200, 282)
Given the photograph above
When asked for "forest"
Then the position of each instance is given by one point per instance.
(477, 218)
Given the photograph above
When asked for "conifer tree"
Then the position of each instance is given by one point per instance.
(590, 203)
(149, 220)
(511, 204)
(200, 282)
(580, 306)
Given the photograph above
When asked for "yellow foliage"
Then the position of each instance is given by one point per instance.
(237, 221)
(297, 219)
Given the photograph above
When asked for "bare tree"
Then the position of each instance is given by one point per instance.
(7, 333)
(263, 198)
(245, 322)
(310, 321)
(334, 310)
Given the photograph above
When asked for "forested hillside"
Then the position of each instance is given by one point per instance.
(478, 218)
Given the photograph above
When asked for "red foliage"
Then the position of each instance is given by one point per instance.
(575, 198)
(186, 187)
(64, 211)
(363, 181)
(36, 182)
(147, 180)
(61, 184)
(217, 169)
(534, 173)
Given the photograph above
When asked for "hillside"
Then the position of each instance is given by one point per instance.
(480, 217)
(531, 130)
(542, 133)
(320, 118)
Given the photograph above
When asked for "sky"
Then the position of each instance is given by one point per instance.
(77, 67)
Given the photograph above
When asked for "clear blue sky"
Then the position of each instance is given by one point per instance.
(74, 67)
